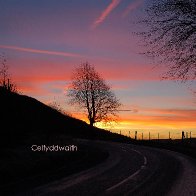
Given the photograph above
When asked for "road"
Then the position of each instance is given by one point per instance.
(129, 170)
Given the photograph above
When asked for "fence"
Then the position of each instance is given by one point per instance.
(155, 135)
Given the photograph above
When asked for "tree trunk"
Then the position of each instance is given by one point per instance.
(91, 122)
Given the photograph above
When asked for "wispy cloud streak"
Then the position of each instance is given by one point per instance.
(40, 51)
(132, 6)
(105, 13)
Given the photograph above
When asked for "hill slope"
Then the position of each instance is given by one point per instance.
(23, 116)
(25, 122)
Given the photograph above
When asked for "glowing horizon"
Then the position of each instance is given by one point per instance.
(44, 42)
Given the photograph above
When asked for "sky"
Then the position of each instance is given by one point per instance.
(44, 40)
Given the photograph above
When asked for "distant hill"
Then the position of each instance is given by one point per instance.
(26, 119)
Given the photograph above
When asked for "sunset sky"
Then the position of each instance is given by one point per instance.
(43, 41)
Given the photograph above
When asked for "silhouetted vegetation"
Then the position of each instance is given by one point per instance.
(90, 92)
(25, 122)
(56, 106)
(31, 117)
(5, 78)
(171, 36)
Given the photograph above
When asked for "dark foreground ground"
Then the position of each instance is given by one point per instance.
(186, 146)
(25, 122)
(128, 170)
(23, 170)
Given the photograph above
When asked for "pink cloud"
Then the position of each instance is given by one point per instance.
(40, 51)
(132, 6)
(105, 13)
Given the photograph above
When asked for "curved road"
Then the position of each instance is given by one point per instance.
(129, 170)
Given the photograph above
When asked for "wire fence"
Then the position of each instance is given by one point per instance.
(157, 135)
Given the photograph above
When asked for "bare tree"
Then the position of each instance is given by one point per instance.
(5, 79)
(56, 106)
(171, 36)
(89, 91)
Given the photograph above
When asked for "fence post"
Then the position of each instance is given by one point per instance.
(135, 135)
(183, 136)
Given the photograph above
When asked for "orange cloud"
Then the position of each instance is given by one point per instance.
(156, 121)
(161, 118)
(185, 113)
(181, 118)
(66, 54)
(105, 13)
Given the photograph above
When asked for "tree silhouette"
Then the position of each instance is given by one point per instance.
(5, 79)
(56, 106)
(89, 91)
(171, 36)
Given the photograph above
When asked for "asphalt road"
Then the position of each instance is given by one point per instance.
(129, 170)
